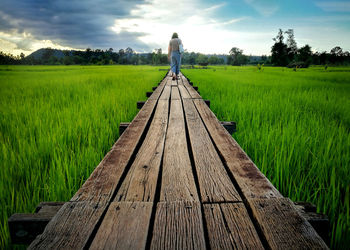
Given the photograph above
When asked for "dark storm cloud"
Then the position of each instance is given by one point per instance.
(73, 23)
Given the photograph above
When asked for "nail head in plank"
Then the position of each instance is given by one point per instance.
(214, 183)
(177, 177)
(251, 181)
(282, 226)
(230, 227)
(178, 225)
(125, 226)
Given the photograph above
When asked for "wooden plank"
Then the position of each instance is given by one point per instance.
(175, 94)
(158, 91)
(283, 227)
(166, 93)
(125, 226)
(178, 225)
(71, 227)
(97, 191)
(141, 180)
(230, 227)
(251, 181)
(193, 93)
(214, 182)
(177, 177)
(183, 91)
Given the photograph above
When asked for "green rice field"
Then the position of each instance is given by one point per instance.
(56, 125)
(295, 125)
(58, 122)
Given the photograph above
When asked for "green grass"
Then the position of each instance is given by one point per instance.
(295, 126)
(56, 124)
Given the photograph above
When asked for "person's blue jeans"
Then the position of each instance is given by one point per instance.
(175, 62)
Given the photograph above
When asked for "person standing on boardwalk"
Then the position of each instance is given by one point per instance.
(174, 54)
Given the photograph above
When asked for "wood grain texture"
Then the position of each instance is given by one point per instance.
(94, 196)
(251, 181)
(229, 227)
(157, 92)
(141, 180)
(70, 228)
(283, 227)
(175, 94)
(183, 91)
(100, 186)
(166, 93)
(125, 226)
(214, 183)
(177, 177)
(178, 225)
(193, 93)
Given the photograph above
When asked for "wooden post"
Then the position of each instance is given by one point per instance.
(122, 127)
(207, 102)
(229, 126)
(195, 88)
(154, 88)
(140, 104)
(148, 94)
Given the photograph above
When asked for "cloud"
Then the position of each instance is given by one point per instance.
(198, 26)
(266, 8)
(69, 23)
(334, 6)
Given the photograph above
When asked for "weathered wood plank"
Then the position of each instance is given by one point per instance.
(229, 227)
(214, 182)
(177, 177)
(71, 227)
(141, 180)
(251, 181)
(178, 225)
(125, 226)
(97, 191)
(283, 227)
(175, 94)
(183, 91)
(193, 93)
(158, 91)
(166, 93)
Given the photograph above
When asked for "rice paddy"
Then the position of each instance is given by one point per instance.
(295, 126)
(58, 122)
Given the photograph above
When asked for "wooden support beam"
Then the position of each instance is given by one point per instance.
(207, 102)
(140, 104)
(154, 88)
(195, 88)
(229, 126)
(25, 227)
(122, 127)
(148, 94)
(191, 83)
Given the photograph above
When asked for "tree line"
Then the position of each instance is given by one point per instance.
(284, 52)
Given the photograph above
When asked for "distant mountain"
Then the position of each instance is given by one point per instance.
(40, 53)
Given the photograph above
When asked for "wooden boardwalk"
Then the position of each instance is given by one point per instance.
(176, 179)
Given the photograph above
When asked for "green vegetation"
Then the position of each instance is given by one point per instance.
(295, 126)
(56, 124)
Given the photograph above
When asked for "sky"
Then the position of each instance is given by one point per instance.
(205, 26)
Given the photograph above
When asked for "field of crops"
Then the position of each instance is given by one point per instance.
(295, 126)
(56, 124)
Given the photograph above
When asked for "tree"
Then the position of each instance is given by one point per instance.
(291, 45)
(305, 55)
(279, 51)
(213, 60)
(236, 57)
(202, 60)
